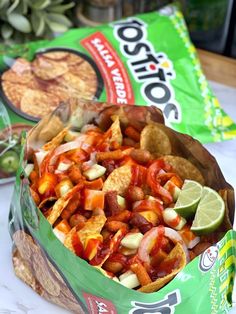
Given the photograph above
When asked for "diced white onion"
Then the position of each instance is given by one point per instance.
(28, 169)
(132, 240)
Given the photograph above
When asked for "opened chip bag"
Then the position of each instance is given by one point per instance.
(145, 60)
(115, 212)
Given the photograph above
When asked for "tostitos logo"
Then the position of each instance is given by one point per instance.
(153, 70)
(208, 258)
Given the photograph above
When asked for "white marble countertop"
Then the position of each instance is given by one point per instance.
(16, 297)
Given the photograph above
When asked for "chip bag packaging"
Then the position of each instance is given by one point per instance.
(48, 260)
(145, 60)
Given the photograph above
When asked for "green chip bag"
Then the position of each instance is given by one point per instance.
(56, 262)
(145, 60)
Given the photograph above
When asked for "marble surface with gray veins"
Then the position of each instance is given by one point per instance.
(16, 297)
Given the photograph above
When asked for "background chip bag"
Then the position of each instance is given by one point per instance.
(147, 59)
(47, 266)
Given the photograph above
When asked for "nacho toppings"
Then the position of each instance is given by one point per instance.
(110, 197)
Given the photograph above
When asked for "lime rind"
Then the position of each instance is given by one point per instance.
(210, 212)
(188, 199)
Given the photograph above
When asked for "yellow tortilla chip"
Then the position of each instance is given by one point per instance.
(69, 238)
(56, 141)
(119, 180)
(55, 55)
(14, 92)
(116, 134)
(38, 103)
(92, 226)
(60, 204)
(155, 140)
(20, 72)
(112, 244)
(48, 69)
(176, 253)
(184, 168)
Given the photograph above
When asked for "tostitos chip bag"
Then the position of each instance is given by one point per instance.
(115, 212)
(145, 60)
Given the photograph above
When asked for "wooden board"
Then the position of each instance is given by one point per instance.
(218, 68)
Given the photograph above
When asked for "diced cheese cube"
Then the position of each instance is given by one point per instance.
(94, 172)
(129, 280)
(132, 240)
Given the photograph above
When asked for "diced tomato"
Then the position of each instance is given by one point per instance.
(95, 184)
(93, 199)
(77, 245)
(152, 180)
(127, 160)
(138, 175)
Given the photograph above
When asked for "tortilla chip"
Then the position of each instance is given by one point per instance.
(14, 92)
(55, 55)
(44, 276)
(155, 140)
(92, 226)
(112, 244)
(38, 103)
(74, 59)
(20, 72)
(48, 69)
(62, 300)
(56, 141)
(61, 203)
(24, 272)
(47, 202)
(24, 244)
(68, 243)
(116, 134)
(184, 168)
(119, 180)
(176, 253)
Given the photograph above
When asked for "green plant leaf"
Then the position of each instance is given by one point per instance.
(56, 27)
(55, 2)
(13, 6)
(59, 18)
(6, 31)
(19, 22)
(60, 8)
(4, 4)
(23, 7)
(40, 4)
(38, 23)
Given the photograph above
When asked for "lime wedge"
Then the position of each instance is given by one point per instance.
(210, 212)
(188, 199)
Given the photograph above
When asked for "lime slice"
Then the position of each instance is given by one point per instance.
(188, 199)
(210, 212)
